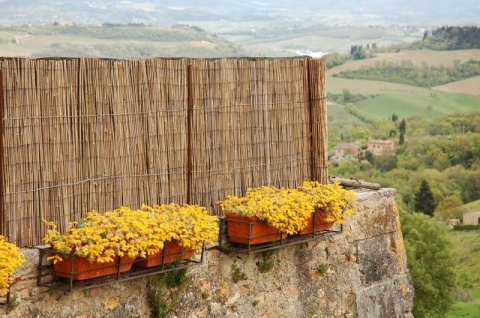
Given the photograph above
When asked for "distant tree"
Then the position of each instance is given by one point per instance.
(369, 157)
(449, 208)
(424, 201)
(425, 34)
(386, 161)
(394, 117)
(401, 139)
(353, 48)
(347, 95)
(402, 127)
(431, 264)
(347, 167)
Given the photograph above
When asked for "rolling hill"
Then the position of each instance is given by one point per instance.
(114, 41)
(384, 98)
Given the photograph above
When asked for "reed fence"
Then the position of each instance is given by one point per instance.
(95, 134)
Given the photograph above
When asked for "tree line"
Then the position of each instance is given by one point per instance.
(423, 75)
(450, 38)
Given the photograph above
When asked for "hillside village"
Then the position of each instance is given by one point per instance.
(374, 146)
(382, 146)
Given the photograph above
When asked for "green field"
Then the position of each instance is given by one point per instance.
(475, 205)
(385, 98)
(467, 248)
(431, 104)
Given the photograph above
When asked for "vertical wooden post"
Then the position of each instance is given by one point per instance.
(318, 119)
(2, 132)
(189, 133)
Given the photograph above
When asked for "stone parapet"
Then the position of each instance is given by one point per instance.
(366, 277)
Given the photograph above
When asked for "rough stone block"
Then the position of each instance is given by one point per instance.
(377, 215)
(391, 298)
(375, 260)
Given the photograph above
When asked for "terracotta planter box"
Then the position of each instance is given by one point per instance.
(244, 230)
(172, 252)
(320, 223)
(83, 269)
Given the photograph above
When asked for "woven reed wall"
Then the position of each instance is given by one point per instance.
(96, 134)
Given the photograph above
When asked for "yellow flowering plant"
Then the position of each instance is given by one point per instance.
(288, 209)
(338, 203)
(10, 258)
(191, 225)
(133, 233)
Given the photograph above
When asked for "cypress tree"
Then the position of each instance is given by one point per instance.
(424, 201)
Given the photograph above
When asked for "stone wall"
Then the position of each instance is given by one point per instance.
(366, 277)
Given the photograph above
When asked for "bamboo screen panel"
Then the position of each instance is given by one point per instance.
(89, 134)
(96, 134)
(251, 126)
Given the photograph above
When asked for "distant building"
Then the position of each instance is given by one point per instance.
(343, 149)
(452, 223)
(471, 218)
(379, 146)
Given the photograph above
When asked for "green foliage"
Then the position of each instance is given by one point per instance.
(237, 273)
(13, 304)
(269, 260)
(348, 166)
(451, 38)
(465, 310)
(424, 201)
(175, 278)
(167, 290)
(386, 161)
(467, 267)
(431, 264)
(449, 208)
(335, 59)
(450, 164)
(348, 97)
(322, 268)
(468, 227)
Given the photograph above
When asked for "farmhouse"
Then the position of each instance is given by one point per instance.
(452, 223)
(343, 149)
(379, 146)
(471, 217)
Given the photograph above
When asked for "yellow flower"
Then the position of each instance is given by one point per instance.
(133, 232)
(289, 209)
(10, 258)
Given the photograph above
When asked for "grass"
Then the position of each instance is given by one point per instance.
(466, 310)
(385, 98)
(475, 205)
(467, 247)
(430, 105)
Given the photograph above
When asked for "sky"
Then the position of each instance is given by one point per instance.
(167, 12)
